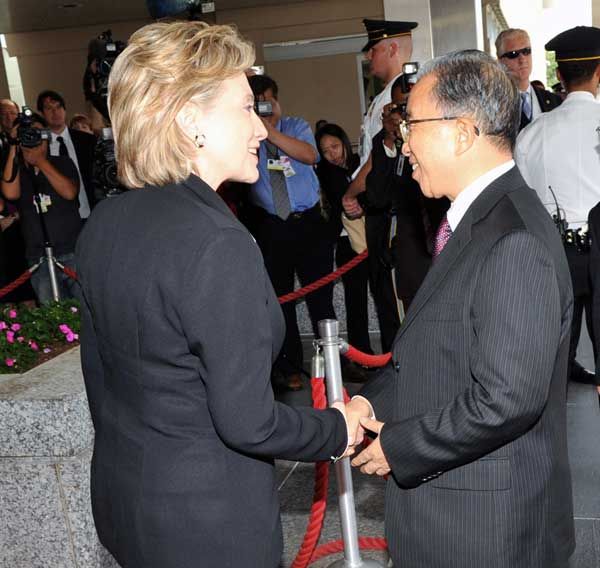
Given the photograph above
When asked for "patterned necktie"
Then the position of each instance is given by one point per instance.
(62, 147)
(442, 236)
(526, 104)
(281, 199)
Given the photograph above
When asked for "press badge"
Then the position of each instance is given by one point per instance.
(45, 202)
(274, 165)
(288, 170)
(282, 165)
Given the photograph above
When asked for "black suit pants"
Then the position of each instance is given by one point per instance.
(299, 246)
(380, 277)
(582, 294)
(356, 294)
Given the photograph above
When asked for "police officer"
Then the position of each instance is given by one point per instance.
(388, 49)
(558, 157)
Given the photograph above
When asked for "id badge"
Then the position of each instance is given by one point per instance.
(45, 202)
(288, 170)
(400, 164)
(275, 165)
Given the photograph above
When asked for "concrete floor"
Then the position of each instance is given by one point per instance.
(296, 482)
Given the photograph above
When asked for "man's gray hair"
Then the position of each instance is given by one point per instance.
(506, 34)
(471, 83)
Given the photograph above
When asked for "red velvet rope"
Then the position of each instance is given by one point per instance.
(27, 275)
(323, 281)
(367, 360)
(14, 285)
(282, 299)
(309, 552)
(68, 271)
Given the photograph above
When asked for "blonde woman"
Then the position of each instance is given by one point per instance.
(181, 323)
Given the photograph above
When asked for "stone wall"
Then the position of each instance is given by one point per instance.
(46, 439)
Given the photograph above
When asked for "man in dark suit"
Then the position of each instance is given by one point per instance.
(594, 225)
(79, 146)
(513, 48)
(471, 413)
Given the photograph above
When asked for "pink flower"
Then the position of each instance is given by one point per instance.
(70, 336)
(20, 339)
(15, 326)
(34, 346)
(10, 362)
(64, 328)
(10, 336)
(12, 314)
(76, 336)
(47, 349)
(3, 325)
(74, 309)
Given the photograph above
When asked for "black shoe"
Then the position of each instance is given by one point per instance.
(583, 376)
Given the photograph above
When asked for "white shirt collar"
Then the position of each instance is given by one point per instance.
(463, 200)
(580, 95)
(64, 133)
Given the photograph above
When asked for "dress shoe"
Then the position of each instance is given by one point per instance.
(581, 375)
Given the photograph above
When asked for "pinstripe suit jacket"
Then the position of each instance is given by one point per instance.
(474, 404)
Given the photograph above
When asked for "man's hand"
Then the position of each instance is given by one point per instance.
(6, 222)
(372, 460)
(35, 156)
(268, 126)
(391, 121)
(352, 207)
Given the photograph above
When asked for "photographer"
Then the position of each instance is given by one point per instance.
(291, 231)
(79, 146)
(45, 189)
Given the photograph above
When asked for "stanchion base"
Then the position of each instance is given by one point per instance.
(364, 563)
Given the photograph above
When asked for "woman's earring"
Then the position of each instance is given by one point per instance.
(199, 140)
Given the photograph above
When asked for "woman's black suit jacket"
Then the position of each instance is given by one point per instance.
(180, 327)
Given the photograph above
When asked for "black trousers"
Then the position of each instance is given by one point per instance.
(299, 246)
(582, 294)
(380, 278)
(356, 294)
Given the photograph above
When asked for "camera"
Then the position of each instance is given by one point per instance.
(409, 76)
(28, 136)
(102, 53)
(104, 172)
(263, 108)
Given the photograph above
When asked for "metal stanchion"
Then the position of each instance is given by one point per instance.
(52, 272)
(330, 342)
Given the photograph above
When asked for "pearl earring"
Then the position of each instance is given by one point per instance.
(199, 140)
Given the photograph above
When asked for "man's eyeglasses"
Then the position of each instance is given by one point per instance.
(515, 53)
(406, 125)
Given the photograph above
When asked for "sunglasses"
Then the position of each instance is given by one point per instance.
(515, 53)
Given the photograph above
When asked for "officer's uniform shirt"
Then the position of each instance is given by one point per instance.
(372, 122)
(561, 149)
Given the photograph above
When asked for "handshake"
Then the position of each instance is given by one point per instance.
(359, 417)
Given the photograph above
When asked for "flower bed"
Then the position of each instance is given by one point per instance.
(30, 336)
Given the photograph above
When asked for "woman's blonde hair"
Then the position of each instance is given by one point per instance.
(164, 66)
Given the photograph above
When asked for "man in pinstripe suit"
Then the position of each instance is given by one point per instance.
(471, 413)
